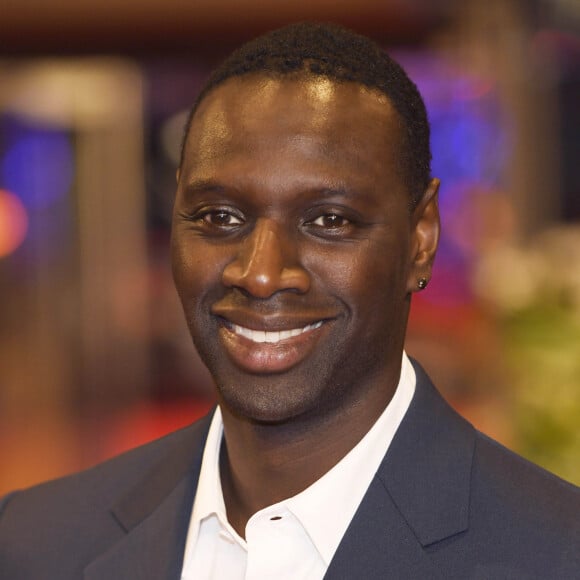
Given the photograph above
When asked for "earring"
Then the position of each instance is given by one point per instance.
(422, 283)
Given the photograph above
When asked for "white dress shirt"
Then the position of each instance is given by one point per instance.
(295, 538)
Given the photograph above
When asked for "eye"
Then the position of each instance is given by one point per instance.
(221, 218)
(330, 221)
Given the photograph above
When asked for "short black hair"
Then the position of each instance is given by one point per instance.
(341, 55)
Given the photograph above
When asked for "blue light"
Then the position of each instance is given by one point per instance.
(38, 166)
(470, 141)
(467, 146)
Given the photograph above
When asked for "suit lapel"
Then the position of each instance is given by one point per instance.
(379, 543)
(155, 514)
(427, 470)
(419, 496)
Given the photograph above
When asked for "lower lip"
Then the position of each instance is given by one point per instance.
(268, 358)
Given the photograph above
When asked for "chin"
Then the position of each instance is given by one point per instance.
(264, 401)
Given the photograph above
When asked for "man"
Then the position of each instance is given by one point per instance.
(305, 218)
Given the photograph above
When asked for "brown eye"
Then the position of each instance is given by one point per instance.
(330, 221)
(221, 218)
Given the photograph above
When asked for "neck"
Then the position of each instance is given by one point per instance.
(262, 464)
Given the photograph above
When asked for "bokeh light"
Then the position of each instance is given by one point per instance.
(38, 166)
(13, 223)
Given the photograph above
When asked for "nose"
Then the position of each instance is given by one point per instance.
(266, 263)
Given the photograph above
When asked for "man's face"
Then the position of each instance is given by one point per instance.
(294, 250)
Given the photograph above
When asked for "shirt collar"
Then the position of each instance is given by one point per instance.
(209, 497)
(325, 508)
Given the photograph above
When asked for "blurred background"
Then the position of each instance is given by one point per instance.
(94, 353)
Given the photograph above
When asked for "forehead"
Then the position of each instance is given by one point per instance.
(257, 109)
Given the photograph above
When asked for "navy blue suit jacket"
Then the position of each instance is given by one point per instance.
(447, 502)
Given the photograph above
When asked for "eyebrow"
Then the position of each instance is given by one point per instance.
(203, 186)
(206, 186)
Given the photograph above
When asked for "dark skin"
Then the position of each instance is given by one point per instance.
(295, 255)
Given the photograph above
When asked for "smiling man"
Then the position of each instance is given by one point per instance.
(305, 219)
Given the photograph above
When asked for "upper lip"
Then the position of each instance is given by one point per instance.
(269, 323)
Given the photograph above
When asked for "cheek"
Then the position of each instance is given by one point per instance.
(363, 275)
(195, 269)
(183, 264)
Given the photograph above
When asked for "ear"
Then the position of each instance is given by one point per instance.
(425, 228)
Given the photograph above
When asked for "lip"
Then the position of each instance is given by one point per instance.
(271, 318)
(270, 347)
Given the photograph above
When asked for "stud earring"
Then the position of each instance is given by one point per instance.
(422, 283)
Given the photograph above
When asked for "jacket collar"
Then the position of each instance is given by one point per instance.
(419, 496)
(155, 514)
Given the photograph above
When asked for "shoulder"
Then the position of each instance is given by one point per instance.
(521, 516)
(503, 478)
(493, 467)
(516, 515)
(74, 514)
(101, 484)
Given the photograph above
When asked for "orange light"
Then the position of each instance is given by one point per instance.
(13, 222)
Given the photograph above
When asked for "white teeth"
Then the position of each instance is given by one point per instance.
(272, 337)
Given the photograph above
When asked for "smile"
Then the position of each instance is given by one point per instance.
(271, 351)
(261, 336)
